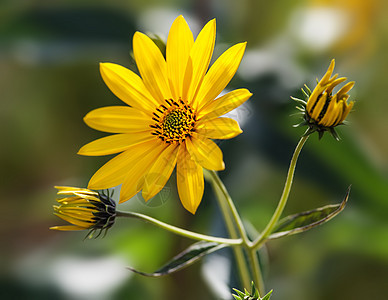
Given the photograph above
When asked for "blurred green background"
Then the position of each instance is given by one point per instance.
(49, 79)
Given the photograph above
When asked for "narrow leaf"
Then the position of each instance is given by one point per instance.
(306, 220)
(184, 259)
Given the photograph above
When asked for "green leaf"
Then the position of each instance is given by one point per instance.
(184, 259)
(306, 220)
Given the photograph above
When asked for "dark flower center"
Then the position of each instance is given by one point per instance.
(174, 121)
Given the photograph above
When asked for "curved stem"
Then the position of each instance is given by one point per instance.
(258, 278)
(180, 231)
(283, 199)
(232, 208)
(222, 197)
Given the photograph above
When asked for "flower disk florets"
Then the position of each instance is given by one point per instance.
(323, 110)
(174, 121)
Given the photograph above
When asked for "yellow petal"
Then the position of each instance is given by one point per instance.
(219, 128)
(336, 115)
(328, 73)
(71, 190)
(118, 119)
(346, 111)
(179, 43)
(313, 98)
(220, 73)
(346, 88)
(76, 203)
(77, 213)
(127, 86)
(87, 197)
(160, 172)
(115, 143)
(74, 221)
(199, 60)
(68, 228)
(70, 200)
(332, 85)
(115, 170)
(205, 152)
(76, 209)
(331, 113)
(321, 86)
(189, 180)
(224, 104)
(134, 179)
(316, 111)
(152, 67)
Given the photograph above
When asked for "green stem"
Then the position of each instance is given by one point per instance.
(231, 224)
(232, 208)
(283, 199)
(180, 231)
(258, 278)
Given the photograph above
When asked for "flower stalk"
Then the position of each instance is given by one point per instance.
(284, 197)
(224, 201)
(256, 270)
(179, 231)
(236, 229)
(232, 208)
(234, 222)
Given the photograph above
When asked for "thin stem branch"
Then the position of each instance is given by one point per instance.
(258, 278)
(232, 208)
(283, 199)
(180, 231)
(221, 196)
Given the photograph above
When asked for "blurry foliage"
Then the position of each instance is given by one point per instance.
(49, 79)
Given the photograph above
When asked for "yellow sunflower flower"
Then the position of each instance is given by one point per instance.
(324, 110)
(85, 209)
(172, 116)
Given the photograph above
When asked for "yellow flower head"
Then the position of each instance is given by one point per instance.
(173, 113)
(323, 111)
(85, 209)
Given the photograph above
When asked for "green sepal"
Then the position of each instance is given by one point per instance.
(189, 256)
(266, 297)
(254, 295)
(159, 42)
(240, 295)
(334, 134)
(300, 101)
(304, 221)
(307, 93)
(254, 292)
(300, 124)
(308, 90)
(309, 131)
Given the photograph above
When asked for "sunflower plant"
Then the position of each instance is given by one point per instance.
(171, 113)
